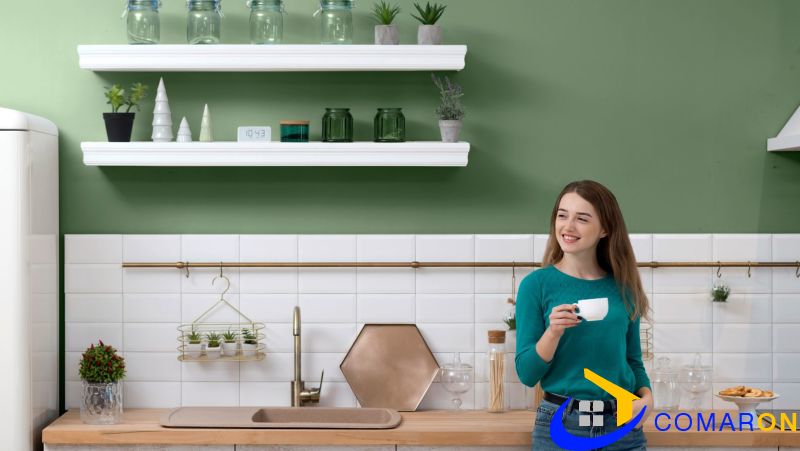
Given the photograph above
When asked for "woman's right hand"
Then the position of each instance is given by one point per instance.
(562, 317)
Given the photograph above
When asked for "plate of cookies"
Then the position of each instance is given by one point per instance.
(746, 398)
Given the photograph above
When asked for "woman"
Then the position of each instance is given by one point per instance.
(588, 256)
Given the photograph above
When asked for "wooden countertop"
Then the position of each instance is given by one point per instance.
(424, 428)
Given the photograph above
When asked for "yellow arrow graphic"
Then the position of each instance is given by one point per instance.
(624, 397)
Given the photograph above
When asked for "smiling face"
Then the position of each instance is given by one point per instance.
(577, 225)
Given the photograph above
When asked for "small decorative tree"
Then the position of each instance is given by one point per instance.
(162, 116)
(450, 111)
(184, 132)
(101, 369)
(206, 133)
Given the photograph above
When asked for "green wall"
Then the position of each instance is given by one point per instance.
(669, 103)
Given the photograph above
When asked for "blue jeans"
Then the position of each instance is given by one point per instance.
(633, 441)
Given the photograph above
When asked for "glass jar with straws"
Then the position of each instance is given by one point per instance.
(497, 398)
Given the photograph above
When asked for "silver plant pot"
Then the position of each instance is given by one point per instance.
(386, 35)
(429, 35)
(450, 130)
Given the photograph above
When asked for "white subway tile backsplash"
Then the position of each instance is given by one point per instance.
(93, 308)
(268, 280)
(744, 308)
(682, 337)
(498, 280)
(683, 247)
(328, 308)
(317, 337)
(145, 280)
(682, 280)
(539, 246)
(445, 248)
(268, 308)
(315, 363)
(385, 248)
(786, 367)
(152, 308)
(760, 280)
(785, 280)
(210, 394)
(445, 280)
(152, 367)
(73, 394)
(194, 305)
(327, 280)
(211, 371)
(445, 308)
(439, 398)
(151, 248)
(278, 337)
(326, 248)
(786, 247)
(151, 395)
(209, 248)
(385, 280)
(681, 308)
(503, 248)
(268, 248)
(276, 367)
(80, 336)
(742, 247)
(448, 337)
(642, 246)
(257, 394)
(646, 276)
(742, 367)
(385, 308)
(146, 337)
(482, 336)
(789, 395)
(93, 249)
(786, 337)
(81, 278)
(202, 280)
(335, 394)
(72, 363)
(742, 337)
(489, 308)
(786, 308)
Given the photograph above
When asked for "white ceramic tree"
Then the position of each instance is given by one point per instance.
(162, 116)
(184, 132)
(206, 134)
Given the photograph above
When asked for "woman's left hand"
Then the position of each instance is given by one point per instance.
(646, 400)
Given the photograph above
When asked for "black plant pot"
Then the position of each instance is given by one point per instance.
(119, 126)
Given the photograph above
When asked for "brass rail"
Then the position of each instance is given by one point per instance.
(415, 264)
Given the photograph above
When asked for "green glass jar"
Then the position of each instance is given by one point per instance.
(337, 125)
(390, 125)
(336, 21)
(266, 21)
(204, 22)
(294, 131)
(144, 26)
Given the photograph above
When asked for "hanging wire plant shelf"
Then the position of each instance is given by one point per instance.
(203, 341)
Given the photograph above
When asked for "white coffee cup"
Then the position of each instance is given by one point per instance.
(592, 309)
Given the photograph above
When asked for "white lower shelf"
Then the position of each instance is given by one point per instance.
(418, 153)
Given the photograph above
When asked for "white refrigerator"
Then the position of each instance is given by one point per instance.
(29, 275)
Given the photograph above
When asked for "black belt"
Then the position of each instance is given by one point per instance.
(609, 407)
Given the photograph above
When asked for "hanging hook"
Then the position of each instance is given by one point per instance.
(512, 300)
(748, 269)
(797, 271)
(186, 266)
(719, 268)
(222, 276)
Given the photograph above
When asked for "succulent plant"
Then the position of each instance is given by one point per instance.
(117, 97)
(719, 293)
(385, 13)
(229, 336)
(249, 337)
(195, 337)
(430, 14)
(213, 339)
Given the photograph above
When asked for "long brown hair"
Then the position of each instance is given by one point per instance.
(614, 251)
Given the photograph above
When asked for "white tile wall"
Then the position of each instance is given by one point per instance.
(754, 338)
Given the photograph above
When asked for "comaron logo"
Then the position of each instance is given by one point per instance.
(624, 400)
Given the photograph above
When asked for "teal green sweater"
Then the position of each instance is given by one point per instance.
(609, 347)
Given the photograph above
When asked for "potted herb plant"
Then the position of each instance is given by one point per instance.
(386, 32)
(450, 112)
(249, 342)
(213, 346)
(194, 347)
(229, 345)
(119, 125)
(720, 292)
(429, 33)
(101, 370)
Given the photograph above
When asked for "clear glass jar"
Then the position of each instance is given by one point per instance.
(336, 21)
(144, 26)
(101, 403)
(666, 395)
(266, 21)
(390, 125)
(496, 389)
(337, 125)
(204, 22)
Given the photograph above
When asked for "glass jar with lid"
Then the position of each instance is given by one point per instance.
(496, 396)
(666, 394)
(390, 125)
(144, 26)
(204, 22)
(336, 22)
(266, 21)
(337, 125)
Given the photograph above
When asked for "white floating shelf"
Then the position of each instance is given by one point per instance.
(275, 154)
(789, 137)
(271, 58)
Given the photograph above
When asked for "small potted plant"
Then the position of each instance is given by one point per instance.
(386, 32)
(229, 345)
(720, 292)
(450, 112)
(119, 125)
(429, 33)
(213, 346)
(194, 345)
(101, 369)
(249, 342)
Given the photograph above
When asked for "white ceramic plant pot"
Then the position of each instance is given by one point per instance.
(386, 35)
(230, 349)
(193, 350)
(450, 131)
(212, 353)
(429, 35)
(249, 350)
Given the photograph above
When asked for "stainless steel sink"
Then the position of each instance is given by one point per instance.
(281, 417)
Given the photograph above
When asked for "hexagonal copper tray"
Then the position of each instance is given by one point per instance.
(389, 365)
